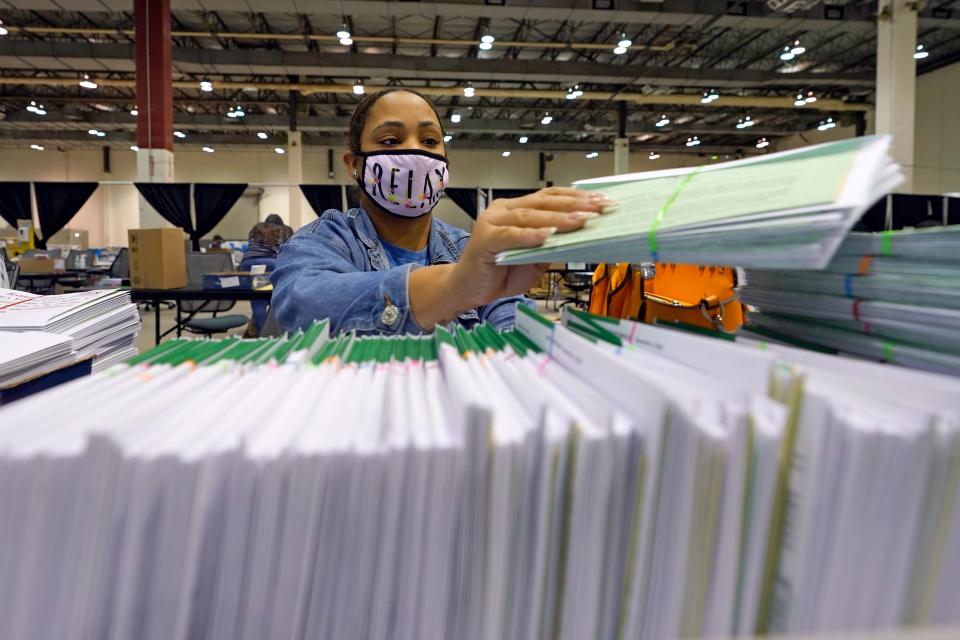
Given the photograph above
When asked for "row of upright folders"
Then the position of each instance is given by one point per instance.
(591, 479)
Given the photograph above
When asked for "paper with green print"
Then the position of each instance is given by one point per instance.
(789, 209)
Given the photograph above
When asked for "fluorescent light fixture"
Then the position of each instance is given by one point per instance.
(920, 53)
(87, 83)
(207, 149)
(447, 138)
(93, 132)
(570, 95)
(654, 155)
(101, 134)
(692, 142)
(179, 134)
(762, 142)
(505, 154)
(547, 119)
(810, 97)
(279, 150)
(745, 122)
(592, 155)
(41, 111)
(358, 89)
(37, 147)
(3, 30)
(455, 118)
(797, 48)
(714, 95)
(619, 50)
(33, 108)
(134, 112)
(523, 140)
(346, 41)
(485, 46)
(262, 135)
(468, 92)
(709, 96)
(663, 121)
(206, 86)
(343, 33)
(826, 124)
(624, 42)
(487, 38)
(134, 147)
(787, 55)
(800, 101)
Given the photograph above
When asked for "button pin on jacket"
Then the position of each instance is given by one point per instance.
(390, 313)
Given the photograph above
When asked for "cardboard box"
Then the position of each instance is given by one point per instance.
(157, 259)
(37, 265)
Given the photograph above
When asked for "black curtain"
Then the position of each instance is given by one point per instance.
(953, 210)
(171, 200)
(911, 210)
(875, 218)
(465, 198)
(322, 197)
(211, 203)
(511, 193)
(15, 202)
(58, 202)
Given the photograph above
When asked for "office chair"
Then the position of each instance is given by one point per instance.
(199, 264)
(577, 282)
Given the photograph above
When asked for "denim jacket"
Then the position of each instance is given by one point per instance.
(336, 268)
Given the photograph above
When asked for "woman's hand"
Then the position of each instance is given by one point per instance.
(517, 223)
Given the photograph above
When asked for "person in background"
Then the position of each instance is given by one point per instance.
(263, 245)
(390, 266)
(216, 242)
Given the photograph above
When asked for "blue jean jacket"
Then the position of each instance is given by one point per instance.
(336, 268)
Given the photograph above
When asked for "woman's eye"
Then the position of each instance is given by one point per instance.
(389, 141)
(430, 142)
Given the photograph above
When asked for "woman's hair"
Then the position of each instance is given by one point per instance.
(359, 117)
(274, 219)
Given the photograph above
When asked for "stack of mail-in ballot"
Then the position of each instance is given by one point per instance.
(891, 296)
(592, 479)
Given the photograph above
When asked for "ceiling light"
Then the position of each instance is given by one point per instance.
(523, 140)
(358, 89)
(800, 101)
(592, 155)
(826, 124)
(346, 41)
(547, 119)
(455, 118)
(262, 135)
(505, 154)
(179, 134)
(134, 147)
(743, 123)
(663, 121)
(206, 86)
(207, 149)
(762, 142)
(619, 50)
(3, 29)
(447, 138)
(714, 95)
(486, 46)
(41, 111)
(93, 132)
(37, 147)
(624, 41)
(709, 96)
(101, 134)
(920, 53)
(487, 38)
(87, 83)
(810, 97)
(468, 91)
(344, 33)
(654, 155)
(570, 95)
(692, 142)
(787, 55)
(280, 150)
(33, 108)
(134, 112)
(797, 48)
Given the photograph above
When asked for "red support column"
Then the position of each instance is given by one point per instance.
(154, 74)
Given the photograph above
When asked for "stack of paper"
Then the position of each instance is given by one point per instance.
(891, 296)
(786, 210)
(101, 323)
(27, 355)
(592, 479)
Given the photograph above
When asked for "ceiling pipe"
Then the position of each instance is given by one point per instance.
(760, 102)
(332, 39)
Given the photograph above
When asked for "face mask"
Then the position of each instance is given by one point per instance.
(405, 183)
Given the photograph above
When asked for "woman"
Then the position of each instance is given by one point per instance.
(389, 266)
(263, 245)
